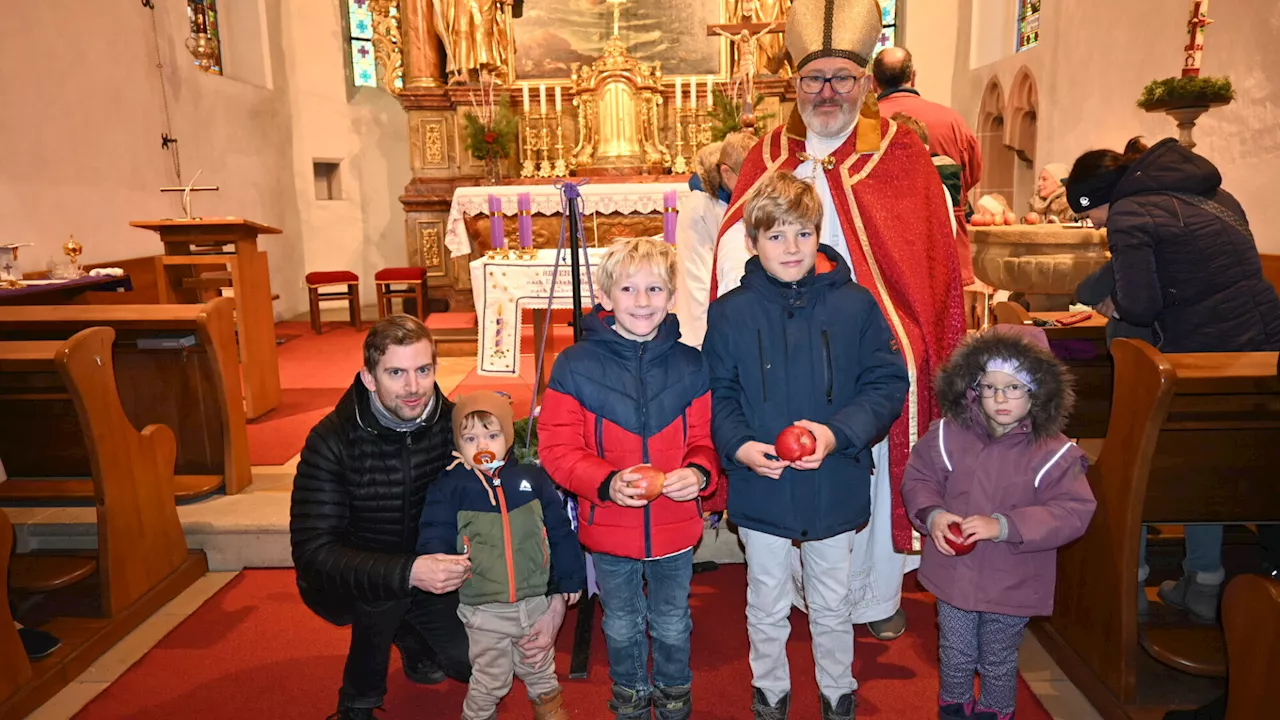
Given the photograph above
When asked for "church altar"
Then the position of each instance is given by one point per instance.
(603, 198)
(503, 287)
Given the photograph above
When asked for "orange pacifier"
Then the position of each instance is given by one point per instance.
(484, 457)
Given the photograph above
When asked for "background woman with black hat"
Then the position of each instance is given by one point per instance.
(1185, 267)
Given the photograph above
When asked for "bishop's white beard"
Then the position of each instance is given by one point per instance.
(834, 126)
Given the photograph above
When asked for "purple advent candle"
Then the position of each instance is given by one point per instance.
(497, 231)
(524, 223)
(669, 217)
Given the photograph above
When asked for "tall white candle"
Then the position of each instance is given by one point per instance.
(693, 93)
(542, 99)
(557, 98)
(525, 90)
(708, 92)
(679, 95)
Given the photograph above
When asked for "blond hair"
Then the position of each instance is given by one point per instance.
(735, 148)
(780, 198)
(626, 255)
(706, 164)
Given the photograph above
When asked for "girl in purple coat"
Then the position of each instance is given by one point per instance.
(998, 466)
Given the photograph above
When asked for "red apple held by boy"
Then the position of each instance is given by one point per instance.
(795, 443)
(959, 547)
(651, 481)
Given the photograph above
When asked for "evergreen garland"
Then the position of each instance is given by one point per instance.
(726, 111)
(1176, 92)
(497, 141)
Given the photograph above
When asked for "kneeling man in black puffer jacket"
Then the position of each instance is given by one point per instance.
(353, 524)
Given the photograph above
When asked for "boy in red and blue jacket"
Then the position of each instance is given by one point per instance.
(630, 394)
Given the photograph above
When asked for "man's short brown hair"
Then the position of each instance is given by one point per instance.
(398, 330)
(781, 198)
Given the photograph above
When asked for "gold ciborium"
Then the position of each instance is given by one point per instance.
(73, 250)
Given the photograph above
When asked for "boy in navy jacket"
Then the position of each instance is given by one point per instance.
(510, 521)
(799, 343)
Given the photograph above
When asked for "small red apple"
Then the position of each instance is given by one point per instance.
(959, 547)
(795, 443)
(651, 481)
(1032, 218)
(981, 220)
(1010, 218)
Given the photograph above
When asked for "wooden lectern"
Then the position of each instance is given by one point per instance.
(191, 243)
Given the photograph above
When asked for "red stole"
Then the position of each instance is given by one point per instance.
(896, 225)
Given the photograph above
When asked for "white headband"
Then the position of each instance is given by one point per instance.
(1010, 367)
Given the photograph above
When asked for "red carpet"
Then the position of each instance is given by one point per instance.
(521, 391)
(253, 650)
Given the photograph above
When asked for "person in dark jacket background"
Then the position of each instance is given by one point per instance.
(1186, 267)
(998, 466)
(353, 523)
(798, 342)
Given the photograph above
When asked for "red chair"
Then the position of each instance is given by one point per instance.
(414, 282)
(332, 278)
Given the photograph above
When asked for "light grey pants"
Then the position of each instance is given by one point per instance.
(493, 631)
(981, 642)
(826, 567)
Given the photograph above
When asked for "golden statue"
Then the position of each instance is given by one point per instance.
(770, 49)
(476, 36)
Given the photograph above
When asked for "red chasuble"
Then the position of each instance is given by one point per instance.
(897, 228)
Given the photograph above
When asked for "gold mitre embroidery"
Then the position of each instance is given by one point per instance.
(833, 28)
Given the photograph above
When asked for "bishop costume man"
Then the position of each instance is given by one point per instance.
(884, 212)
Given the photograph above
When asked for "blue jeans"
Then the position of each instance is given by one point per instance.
(664, 613)
(1204, 550)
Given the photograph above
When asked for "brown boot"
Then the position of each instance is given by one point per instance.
(549, 707)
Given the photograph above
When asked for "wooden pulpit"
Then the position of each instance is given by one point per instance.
(203, 242)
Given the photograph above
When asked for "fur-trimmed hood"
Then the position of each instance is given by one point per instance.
(1051, 401)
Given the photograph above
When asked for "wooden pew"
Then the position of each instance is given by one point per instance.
(1251, 618)
(15, 669)
(142, 561)
(1083, 348)
(195, 391)
(1192, 438)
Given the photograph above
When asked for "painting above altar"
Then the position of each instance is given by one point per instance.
(553, 35)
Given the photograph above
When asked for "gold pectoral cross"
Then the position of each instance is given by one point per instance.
(827, 162)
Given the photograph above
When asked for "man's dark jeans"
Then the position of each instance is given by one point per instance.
(425, 623)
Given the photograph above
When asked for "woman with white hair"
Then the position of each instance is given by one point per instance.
(1049, 203)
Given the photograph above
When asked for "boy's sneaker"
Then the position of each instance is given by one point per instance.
(628, 704)
(841, 710)
(38, 643)
(673, 703)
(350, 713)
(956, 711)
(889, 628)
(1198, 599)
(762, 710)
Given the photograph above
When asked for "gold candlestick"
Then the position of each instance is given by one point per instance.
(73, 250)
(678, 165)
(528, 167)
(544, 167)
(560, 169)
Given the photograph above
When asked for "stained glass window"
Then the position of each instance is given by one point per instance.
(203, 15)
(364, 68)
(889, 24)
(1028, 24)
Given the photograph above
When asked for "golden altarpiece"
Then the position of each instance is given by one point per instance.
(611, 116)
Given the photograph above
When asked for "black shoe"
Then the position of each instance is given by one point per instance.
(419, 662)
(350, 713)
(955, 711)
(762, 710)
(628, 704)
(842, 710)
(38, 643)
(673, 703)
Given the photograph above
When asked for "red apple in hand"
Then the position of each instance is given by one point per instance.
(795, 443)
(651, 481)
(959, 547)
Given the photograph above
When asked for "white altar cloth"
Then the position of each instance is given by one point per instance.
(503, 288)
(624, 198)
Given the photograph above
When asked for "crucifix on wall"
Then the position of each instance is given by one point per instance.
(746, 37)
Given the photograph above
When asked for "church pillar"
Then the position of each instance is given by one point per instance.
(423, 53)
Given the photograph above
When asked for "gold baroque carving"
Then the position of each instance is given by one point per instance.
(386, 43)
(433, 142)
(429, 251)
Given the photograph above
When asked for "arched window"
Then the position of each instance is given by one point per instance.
(1028, 23)
(373, 26)
(889, 25)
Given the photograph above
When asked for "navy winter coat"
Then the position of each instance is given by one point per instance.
(820, 350)
(1179, 267)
